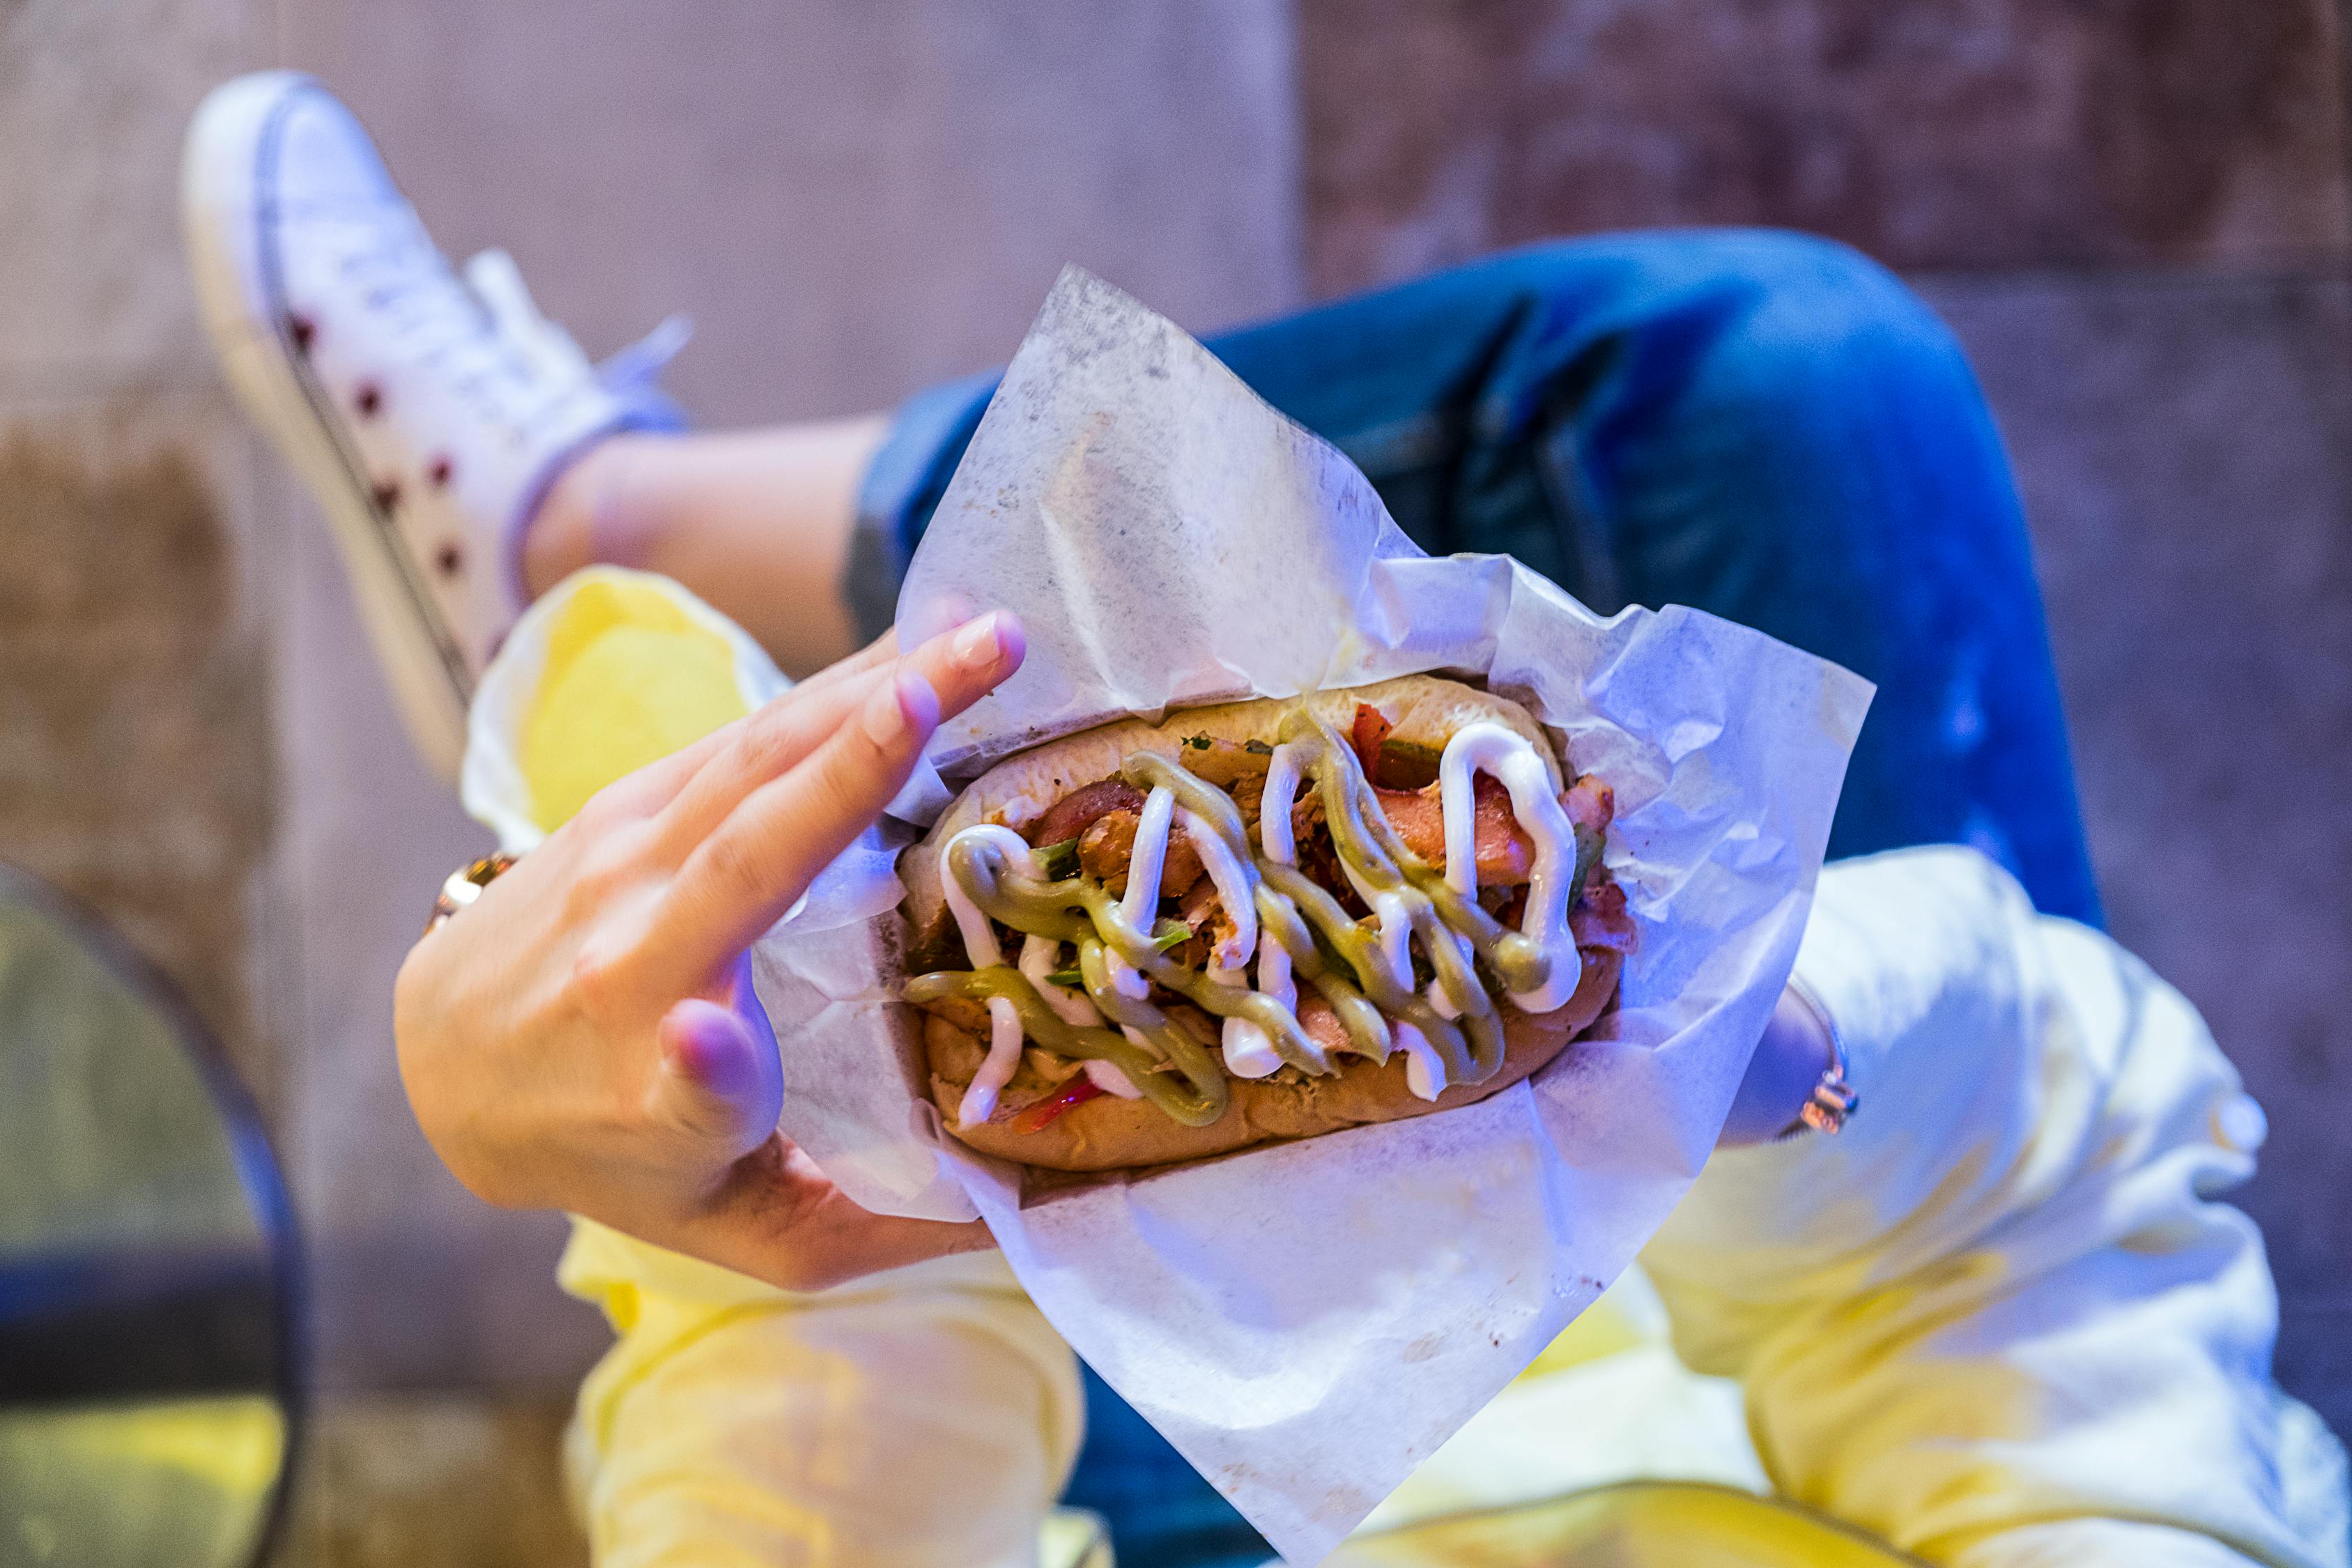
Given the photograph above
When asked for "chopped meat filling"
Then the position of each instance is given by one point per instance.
(1590, 803)
(1071, 816)
(1103, 817)
(1321, 1024)
(1601, 920)
(1108, 843)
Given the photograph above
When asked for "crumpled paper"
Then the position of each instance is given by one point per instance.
(1306, 1322)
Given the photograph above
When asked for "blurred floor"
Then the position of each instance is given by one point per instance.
(455, 1480)
(2136, 219)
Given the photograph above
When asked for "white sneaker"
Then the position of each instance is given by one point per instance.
(427, 412)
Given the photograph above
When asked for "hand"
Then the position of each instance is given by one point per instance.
(584, 1035)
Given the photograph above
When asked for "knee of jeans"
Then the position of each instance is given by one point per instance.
(1818, 318)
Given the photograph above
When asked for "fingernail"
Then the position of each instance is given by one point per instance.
(906, 700)
(979, 644)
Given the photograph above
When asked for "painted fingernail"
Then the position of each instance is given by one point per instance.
(906, 700)
(980, 643)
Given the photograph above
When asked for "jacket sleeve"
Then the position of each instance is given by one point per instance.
(2001, 1319)
(924, 1419)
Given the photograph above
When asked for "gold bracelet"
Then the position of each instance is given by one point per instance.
(1833, 1099)
(465, 886)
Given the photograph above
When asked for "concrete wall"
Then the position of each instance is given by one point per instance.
(2137, 219)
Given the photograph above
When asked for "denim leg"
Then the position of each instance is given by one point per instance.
(1761, 424)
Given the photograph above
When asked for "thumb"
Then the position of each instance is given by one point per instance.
(721, 1080)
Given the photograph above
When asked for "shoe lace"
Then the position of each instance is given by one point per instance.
(482, 336)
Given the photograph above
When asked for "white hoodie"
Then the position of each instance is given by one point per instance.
(2000, 1321)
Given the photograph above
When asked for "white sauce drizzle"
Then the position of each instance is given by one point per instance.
(1109, 1079)
(1040, 956)
(1248, 1050)
(1489, 747)
(1395, 928)
(979, 938)
(980, 946)
(1005, 1038)
(1424, 1070)
(1274, 805)
(1485, 748)
(1233, 885)
(1141, 903)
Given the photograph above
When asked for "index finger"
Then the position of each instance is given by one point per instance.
(961, 665)
(744, 875)
(748, 869)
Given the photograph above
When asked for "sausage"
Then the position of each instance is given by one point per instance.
(1507, 857)
(1072, 814)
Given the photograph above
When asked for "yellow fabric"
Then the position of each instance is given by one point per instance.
(925, 1417)
(733, 1424)
(114, 1482)
(1646, 1524)
(629, 679)
(1999, 1320)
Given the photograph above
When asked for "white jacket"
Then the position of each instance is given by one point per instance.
(2000, 1321)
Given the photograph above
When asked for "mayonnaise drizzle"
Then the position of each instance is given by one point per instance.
(1109, 1079)
(1141, 903)
(1489, 747)
(1424, 1070)
(1395, 919)
(1275, 805)
(1248, 1049)
(1248, 1052)
(980, 943)
(980, 946)
(1235, 889)
(1040, 956)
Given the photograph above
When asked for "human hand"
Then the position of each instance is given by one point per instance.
(584, 1037)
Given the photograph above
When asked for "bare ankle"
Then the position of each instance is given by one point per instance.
(568, 530)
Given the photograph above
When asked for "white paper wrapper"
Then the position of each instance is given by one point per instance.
(1306, 1322)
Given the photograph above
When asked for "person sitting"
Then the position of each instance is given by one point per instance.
(2000, 1321)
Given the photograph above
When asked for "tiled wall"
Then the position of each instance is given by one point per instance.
(2135, 215)
(1962, 133)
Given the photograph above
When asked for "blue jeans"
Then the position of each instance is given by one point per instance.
(1761, 424)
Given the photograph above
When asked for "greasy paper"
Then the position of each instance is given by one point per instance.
(1308, 1321)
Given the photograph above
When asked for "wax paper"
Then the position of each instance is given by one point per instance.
(1307, 1322)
